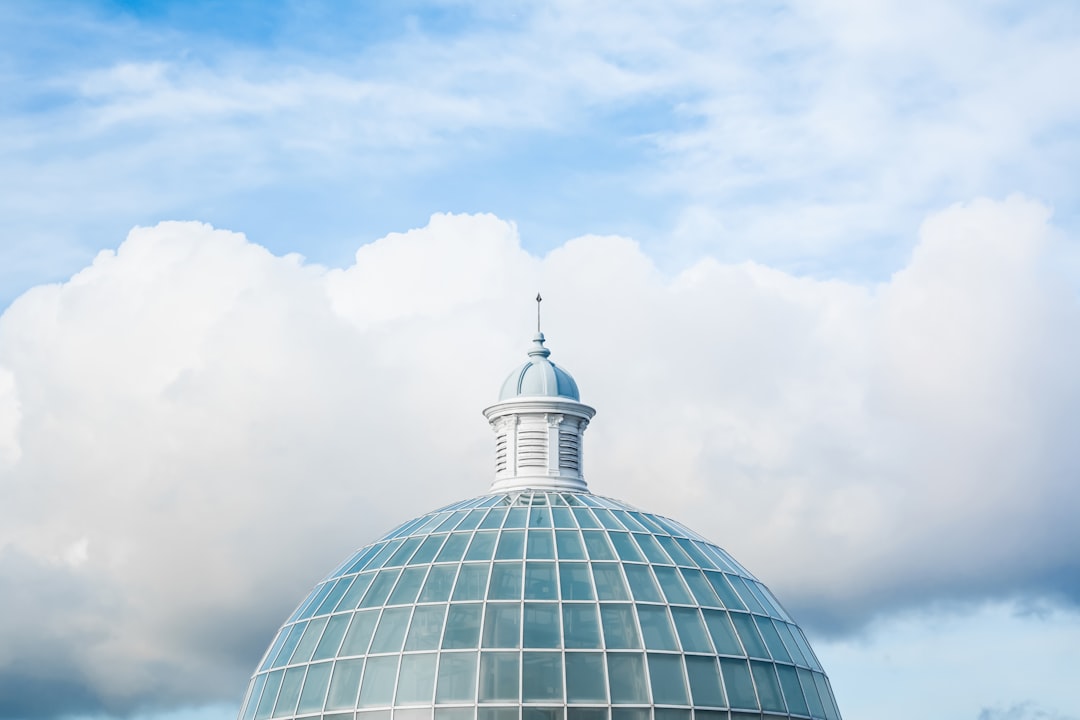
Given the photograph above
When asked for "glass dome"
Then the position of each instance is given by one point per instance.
(540, 605)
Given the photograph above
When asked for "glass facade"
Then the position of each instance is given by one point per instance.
(540, 605)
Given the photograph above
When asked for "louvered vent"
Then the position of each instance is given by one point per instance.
(532, 448)
(569, 450)
(500, 453)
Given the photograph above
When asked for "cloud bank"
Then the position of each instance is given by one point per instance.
(193, 430)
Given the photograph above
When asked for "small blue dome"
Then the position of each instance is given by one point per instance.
(539, 377)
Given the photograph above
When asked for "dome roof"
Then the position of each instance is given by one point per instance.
(540, 605)
(539, 377)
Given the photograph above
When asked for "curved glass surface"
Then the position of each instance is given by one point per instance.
(539, 605)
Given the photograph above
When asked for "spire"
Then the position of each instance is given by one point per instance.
(538, 424)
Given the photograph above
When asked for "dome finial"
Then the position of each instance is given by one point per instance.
(538, 300)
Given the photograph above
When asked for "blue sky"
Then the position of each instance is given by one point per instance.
(843, 237)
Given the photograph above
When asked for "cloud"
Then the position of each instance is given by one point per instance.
(195, 430)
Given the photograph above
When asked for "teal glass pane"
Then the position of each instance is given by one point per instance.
(575, 581)
(253, 697)
(331, 637)
(740, 689)
(691, 630)
(380, 676)
(471, 581)
(289, 693)
(344, 684)
(607, 519)
(383, 555)
(672, 548)
(289, 645)
(626, 548)
(541, 545)
(390, 635)
(704, 681)
(597, 545)
(584, 518)
(454, 548)
(317, 596)
(449, 522)
(499, 677)
(749, 635)
(700, 587)
(772, 639)
(581, 627)
(416, 679)
(789, 681)
(380, 588)
(672, 585)
(426, 627)
(691, 549)
(652, 549)
(586, 713)
(472, 520)
(767, 686)
(806, 679)
(667, 679)
(542, 677)
(744, 592)
(505, 581)
(656, 627)
(408, 586)
(540, 517)
(462, 626)
(627, 520)
(811, 659)
(457, 678)
(493, 519)
(620, 630)
(356, 591)
(502, 626)
(789, 642)
(562, 517)
(642, 584)
(626, 678)
(308, 642)
(358, 637)
(332, 598)
(586, 680)
(676, 714)
(266, 703)
(569, 545)
(482, 546)
(455, 713)
(542, 626)
(511, 545)
(609, 582)
(532, 712)
(314, 693)
(723, 589)
(629, 713)
(722, 633)
(439, 583)
(404, 552)
(825, 694)
(540, 581)
(516, 518)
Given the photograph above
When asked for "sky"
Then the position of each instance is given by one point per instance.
(815, 262)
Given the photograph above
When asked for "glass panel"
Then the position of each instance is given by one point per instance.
(331, 638)
(359, 635)
(380, 677)
(586, 680)
(540, 517)
(404, 552)
(789, 681)
(673, 714)
(290, 691)
(672, 548)
(568, 543)
(541, 545)
(797, 633)
(499, 676)
(253, 698)
(290, 644)
(541, 626)
(789, 642)
(390, 635)
(607, 519)
(516, 518)
(497, 713)
(704, 681)
(585, 518)
(380, 589)
(428, 550)
(562, 517)
(740, 689)
(472, 520)
(695, 554)
(266, 704)
(806, 679)
(471, 582)
(626, 678)
(627, 520)
(703, 591)
(309, 641)
(772, 639)
(426, 627)
(542, 675)
(316, 600)
(314, 694)
(625, 547)
(723, 589)
(450, 521)
(581, 628)
(454, 549)
(629, 713)
(502, 625)
(494, 518)
(597, 544)
(609, 582)
(384, 553)
(642, 584)
(767, 687)
(656, 627)
(749, 635)
(455, 713)
(691, 630)
(462, 626)
(672, 585)
(356, 591)
(505, 581)
(747, 596)
(620, 630)
(652, 549)
(511, 545)
(416, 679)
(826, 697)
(541, 713)
(408, 586)
(575, 582)
(540, 581)
(667, 679)
(482, 546)
(439, 583)
(723, 635)
(334, 596)
(344, 684)
(457, 677)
